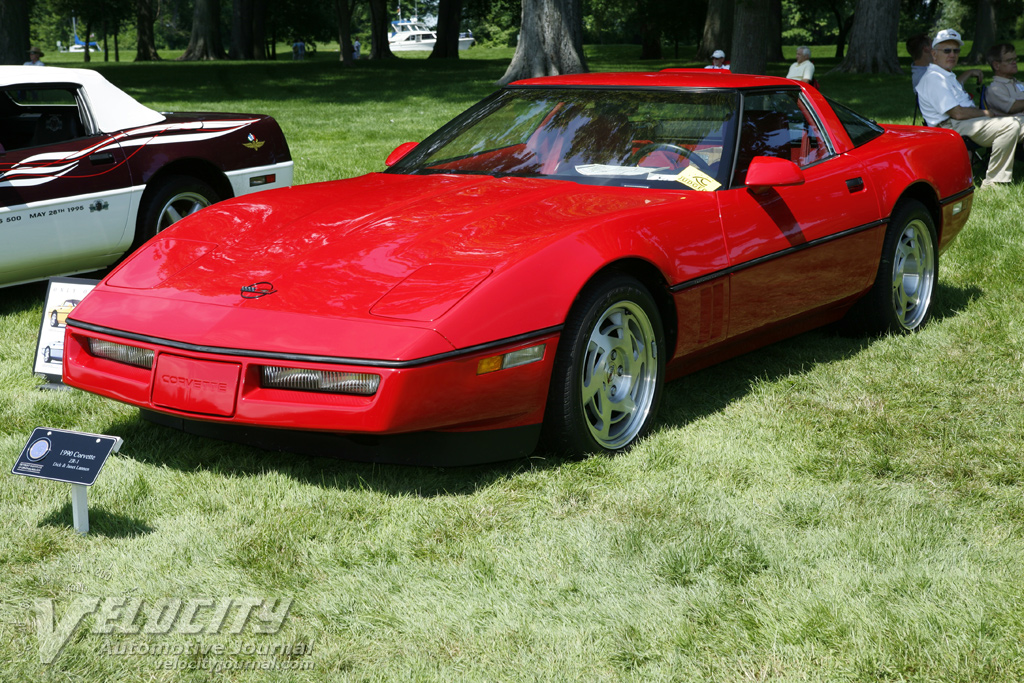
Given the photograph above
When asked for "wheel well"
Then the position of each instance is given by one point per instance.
(195, 168)
(651, 278)
(924, 193)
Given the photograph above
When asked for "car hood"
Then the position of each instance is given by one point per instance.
(382, 249)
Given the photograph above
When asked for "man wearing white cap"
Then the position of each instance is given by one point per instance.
(946, 104)
(717, 61)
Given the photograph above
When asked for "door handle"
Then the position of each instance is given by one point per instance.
(101, 158)
(855, 184)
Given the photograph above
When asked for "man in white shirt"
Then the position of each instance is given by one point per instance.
(919, 48)
(717, 61)
(945, 103)
(802, 69)
(1006, 94)
(34, 57)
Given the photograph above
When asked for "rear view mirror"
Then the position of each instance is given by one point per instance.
(766, 172)
(399, 153)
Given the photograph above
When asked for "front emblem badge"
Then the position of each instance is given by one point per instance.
(255, 291)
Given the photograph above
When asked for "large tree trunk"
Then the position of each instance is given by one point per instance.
(241, 30)
(259, 29)
(750, 29)
(344, 9)
(650, 40)
(873, 39)
(205, 43)
(717, 30)
(845, 24)
(773, 50)
(14, 31)
(380, 27)
(87, 55)
(449, 16)
(144, 18)
(984, 31)
(550, 41)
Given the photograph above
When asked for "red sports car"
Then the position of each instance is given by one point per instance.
(87, 173)
(541, 264)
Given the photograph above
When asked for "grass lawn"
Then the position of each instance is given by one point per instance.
(825, 509)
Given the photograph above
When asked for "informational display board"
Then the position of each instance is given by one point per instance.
(61, 455)
(63, 294)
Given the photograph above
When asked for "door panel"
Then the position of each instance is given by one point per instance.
(798, 248)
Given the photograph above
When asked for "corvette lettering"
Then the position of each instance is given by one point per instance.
(195, 384)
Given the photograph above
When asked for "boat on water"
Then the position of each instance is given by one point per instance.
(412, 34)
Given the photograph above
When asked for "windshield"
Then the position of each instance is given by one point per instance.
(663, 138)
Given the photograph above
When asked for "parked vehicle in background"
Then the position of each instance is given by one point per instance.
(87, 173)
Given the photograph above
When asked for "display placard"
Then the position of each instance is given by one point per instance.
(63, 294)
(61, 455)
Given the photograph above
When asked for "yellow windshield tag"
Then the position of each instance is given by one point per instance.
(696, 179)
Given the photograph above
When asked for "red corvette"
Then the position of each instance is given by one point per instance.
(542, 263)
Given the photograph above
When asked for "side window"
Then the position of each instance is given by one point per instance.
(33, 116)
(778, 124)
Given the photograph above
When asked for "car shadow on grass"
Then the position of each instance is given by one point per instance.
(686, 400)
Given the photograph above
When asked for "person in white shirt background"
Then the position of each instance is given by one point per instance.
(802, 69)
(717, 61)
(35, 57)
(944, 103)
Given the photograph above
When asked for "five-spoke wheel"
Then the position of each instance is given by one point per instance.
(609, 370)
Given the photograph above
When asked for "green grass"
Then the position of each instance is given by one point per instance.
(825, 509)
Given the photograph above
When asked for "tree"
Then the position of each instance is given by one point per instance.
(550, 41)
(873, 38)
(984, 31)
(773, 50)
(14, 31)
(145, 50)
(248, 29)
(380, 48)
(750, 30)
(344, 10)
(205, 43)
(449, 18)
(717, 29)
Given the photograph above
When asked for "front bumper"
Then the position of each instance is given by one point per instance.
(446, 394)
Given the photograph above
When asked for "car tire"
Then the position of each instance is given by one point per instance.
(175, 197)
(54, 322)
(901, 299)
(608, 372)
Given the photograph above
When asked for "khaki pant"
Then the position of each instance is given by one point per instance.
(1001, 133)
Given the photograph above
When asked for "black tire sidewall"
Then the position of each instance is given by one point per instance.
(149, 216)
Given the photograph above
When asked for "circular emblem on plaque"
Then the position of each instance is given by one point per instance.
(39, 449)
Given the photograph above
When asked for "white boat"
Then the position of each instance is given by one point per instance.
(414, 35)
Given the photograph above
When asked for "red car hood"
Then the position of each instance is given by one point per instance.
(394, 252)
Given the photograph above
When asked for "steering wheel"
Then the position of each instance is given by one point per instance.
(691, 156)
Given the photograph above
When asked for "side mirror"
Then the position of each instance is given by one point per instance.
(767, 172)
(399, 152)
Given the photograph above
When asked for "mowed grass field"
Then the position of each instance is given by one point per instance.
(825, 509)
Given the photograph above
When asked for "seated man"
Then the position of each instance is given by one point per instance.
(946, 104)
(920, 50)
(802, 69)
(717, 61)
(1006, 94)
